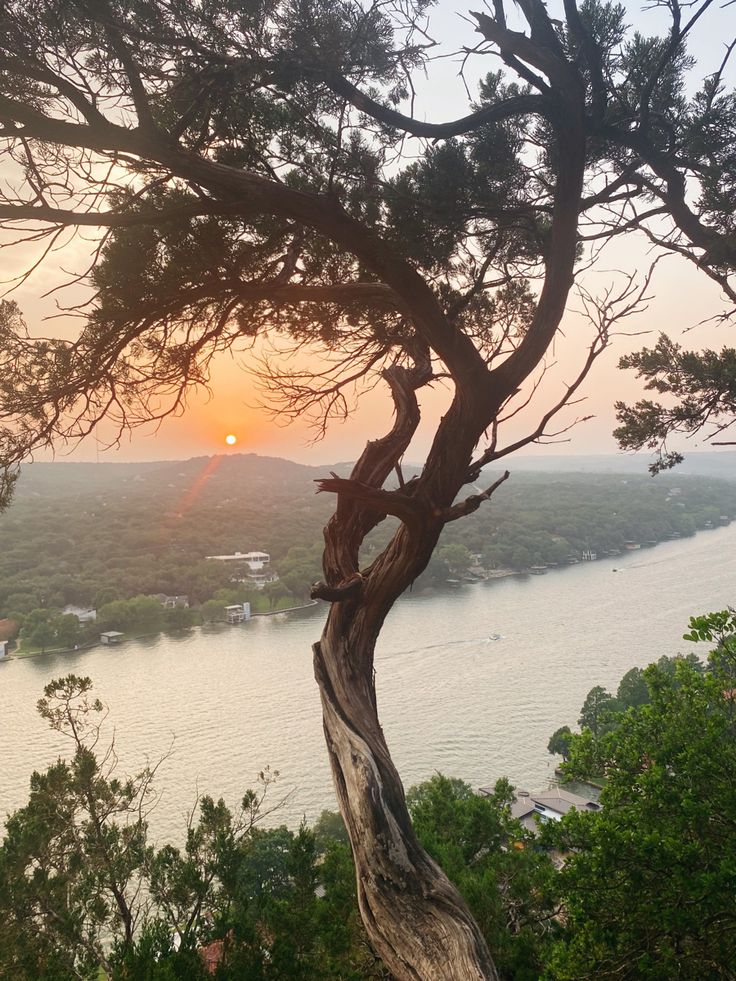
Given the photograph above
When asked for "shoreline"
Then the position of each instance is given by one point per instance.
(491, 575)
(92, 645)
(240, 699)
(506, 573)
(289, 609)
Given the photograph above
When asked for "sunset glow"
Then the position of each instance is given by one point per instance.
(231, 440)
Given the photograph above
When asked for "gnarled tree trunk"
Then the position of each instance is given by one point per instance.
(416, 919)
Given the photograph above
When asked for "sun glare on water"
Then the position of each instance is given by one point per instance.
(231, 440)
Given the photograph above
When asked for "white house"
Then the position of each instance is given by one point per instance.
(173, 602)
(3, 649)
(255, 565)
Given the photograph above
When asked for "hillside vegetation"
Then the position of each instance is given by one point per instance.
(90, 534)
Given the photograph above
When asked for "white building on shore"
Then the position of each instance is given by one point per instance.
(254, 566)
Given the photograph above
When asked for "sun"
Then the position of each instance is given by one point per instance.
(231, 440)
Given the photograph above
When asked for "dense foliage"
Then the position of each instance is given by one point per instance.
(650, 880)
(97, 535)
(696, 391)
(83, 886)
(245, 137)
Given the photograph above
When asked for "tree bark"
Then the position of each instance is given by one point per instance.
(415, 918)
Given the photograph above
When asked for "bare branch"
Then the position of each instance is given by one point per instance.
(473, 502)
(383, 502)
(511, 108)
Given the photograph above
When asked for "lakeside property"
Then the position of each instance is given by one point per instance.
(114, 638)
(85, 558)
(142, 616)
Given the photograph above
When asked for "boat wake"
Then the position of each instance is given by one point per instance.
(446, 645)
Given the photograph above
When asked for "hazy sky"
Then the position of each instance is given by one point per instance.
(682, 298)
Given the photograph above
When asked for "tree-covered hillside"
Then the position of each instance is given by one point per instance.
(87, 534)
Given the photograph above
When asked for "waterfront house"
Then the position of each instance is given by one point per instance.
(172, 602)
(547, 805)
(82, 614)
(255, 566)
(111, 637)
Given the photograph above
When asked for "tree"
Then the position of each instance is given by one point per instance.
(647, 887)
(193, 888)
(44, 629)
(213, 610)
(508, 883)
(143, 614)
(275, 592)
(105, 595)
(559, 742)
(82, 889)
(598, 710)
(67, 629)
(72, 862)
(330, 827)
(300, 568)
(632, 690)
(179, 618)
(242, 163)
(456, 558)
(719, 629)
(702, 390)
(38, 636)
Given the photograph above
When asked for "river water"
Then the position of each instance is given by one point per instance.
(224, 702)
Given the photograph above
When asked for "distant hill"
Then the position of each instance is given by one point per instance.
(263, 474)
(164, 479)
(698, 464)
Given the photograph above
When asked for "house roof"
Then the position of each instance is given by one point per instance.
(556, 799)
(563, 801)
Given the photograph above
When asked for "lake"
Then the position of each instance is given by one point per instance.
(224, 702)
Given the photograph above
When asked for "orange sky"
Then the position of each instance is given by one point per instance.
(683, 298)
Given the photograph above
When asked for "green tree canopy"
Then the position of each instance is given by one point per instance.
(508, 884)
(598, 710)
(649, 881)
(632, 690)
(559, 742)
